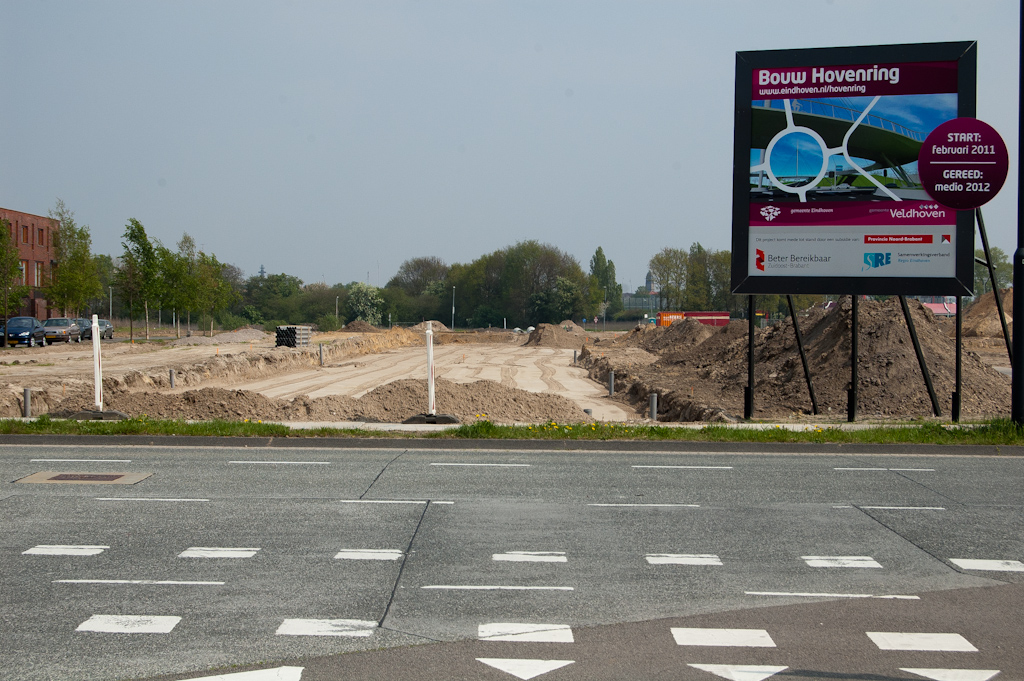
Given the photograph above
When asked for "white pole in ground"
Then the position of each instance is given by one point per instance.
(430, 370)
(97, 364)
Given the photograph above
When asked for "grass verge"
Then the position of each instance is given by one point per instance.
(997, 432)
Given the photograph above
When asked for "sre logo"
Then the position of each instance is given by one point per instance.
(877, 259)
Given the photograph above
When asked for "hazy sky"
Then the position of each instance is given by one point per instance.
(334, 140)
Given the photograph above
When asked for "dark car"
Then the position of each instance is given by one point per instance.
(83, 325)
(60, 329)
(106, 330)
(24, 331)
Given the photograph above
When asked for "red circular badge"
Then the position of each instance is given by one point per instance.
(963, 163)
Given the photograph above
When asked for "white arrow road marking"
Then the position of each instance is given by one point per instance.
(841, 561)
(129, 624)
(953, 674)
(740, 672)
(525, 669)
(532, 557)
(65, 550)
(892, 640)
(276, 674)
(743, 638)
(978, 564)
(683, 559)
(516, 631)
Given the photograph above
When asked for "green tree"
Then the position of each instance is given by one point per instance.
(138, 274)
(606, 288)
(668, 272)
(215, 291)
(416, 274)
(365, 303)
(74, 281)
(1000, 263)
(11, 276)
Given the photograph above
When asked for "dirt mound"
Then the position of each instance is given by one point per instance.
(390, 403)
(359, 326)
(244, 335)
(557, 336)
(435, 326)
(681, 335)
(570, 325)
(982, 318)
(708, 380)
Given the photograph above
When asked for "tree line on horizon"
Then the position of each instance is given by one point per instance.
(517, 286)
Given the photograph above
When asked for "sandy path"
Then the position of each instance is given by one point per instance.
(539, 370)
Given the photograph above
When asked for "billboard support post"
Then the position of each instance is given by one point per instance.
(748, 394)
(803, 354)
(920, 356)
(851, 394)
(959, 355)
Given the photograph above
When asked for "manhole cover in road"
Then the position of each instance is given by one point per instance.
(86, 478)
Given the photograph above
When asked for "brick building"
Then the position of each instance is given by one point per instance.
(33, 235)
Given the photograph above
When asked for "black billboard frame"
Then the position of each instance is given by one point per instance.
(964, 53)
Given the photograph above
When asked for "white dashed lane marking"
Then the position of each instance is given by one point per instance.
(217, 552)
(145, 499)
(892, 640)
(953, 674)
(646, 505)
(65, 550)
(144, 582)
(311, 627)
(682, 559)
(829, 595)
(369, 554)
(691, 468)
(991, 565)
(129, 624)
(841, 561)
(476, 587)
(522, 631)
(531, 557)
(738, 638)
(485, 465)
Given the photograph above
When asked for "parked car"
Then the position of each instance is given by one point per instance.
(24, 331)
(83, 326)
(61, 329)
(106, 330)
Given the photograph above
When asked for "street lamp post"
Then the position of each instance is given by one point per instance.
(111, 313)
(453, 308)
(336, 307)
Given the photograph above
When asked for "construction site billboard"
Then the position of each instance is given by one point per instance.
(827, 198)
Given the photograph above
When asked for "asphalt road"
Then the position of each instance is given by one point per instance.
(462, 563)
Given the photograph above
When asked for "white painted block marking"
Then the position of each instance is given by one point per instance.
(829, 595)
(217, 552)
(276, 674)
(683, 559)
(740, 672)
(303, 627)
(474, 587)
(841, 561)
(531, 557)
(65, 550)
(738, 638)
(519, 631)
(992, 565)
(129, 624)
(891, 640)
(524, 669)
(369, 554)
(953, 674)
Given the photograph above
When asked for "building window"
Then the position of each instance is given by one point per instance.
(39, 274)
(24, 234)
(41, 237)
(24, 272)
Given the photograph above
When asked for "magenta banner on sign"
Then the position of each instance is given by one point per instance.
(963, 163)
(830, 192)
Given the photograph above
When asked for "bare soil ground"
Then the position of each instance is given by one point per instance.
(698, 372)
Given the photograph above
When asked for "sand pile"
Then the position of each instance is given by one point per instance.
(390, 403)
(707, 380)
(982, 318)
(435, 326)
(557, 336)
(359, 326)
